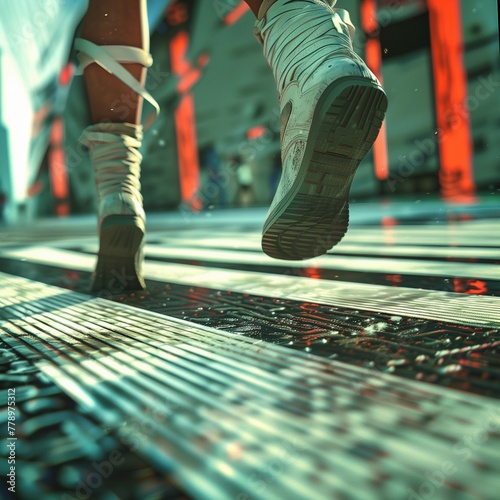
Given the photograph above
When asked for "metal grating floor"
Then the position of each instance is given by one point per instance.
(372, 372)
(234, 409)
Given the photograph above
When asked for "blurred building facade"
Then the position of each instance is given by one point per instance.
(221, 71)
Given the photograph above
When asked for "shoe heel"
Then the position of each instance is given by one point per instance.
(120, 256)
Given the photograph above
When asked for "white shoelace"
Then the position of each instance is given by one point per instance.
(115, 156)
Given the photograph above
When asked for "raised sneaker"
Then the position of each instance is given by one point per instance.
(332, 107)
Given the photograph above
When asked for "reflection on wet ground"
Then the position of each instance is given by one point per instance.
(461, 256)
(62, 452)
(200, 403)
(459, 356)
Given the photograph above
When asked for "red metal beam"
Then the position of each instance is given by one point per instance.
(373, 55)
(450, 83)
(57, 168)
(236, 13)
(185, 121)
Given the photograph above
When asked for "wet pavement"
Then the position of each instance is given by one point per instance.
(410, 295)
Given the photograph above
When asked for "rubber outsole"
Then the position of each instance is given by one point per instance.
(314, 215)
(119, 260)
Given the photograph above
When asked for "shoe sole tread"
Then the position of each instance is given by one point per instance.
(120, 254)
(314, 216)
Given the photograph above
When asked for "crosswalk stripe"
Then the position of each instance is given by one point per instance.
(251, 406)
(435, 305)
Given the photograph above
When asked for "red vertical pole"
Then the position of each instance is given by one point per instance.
(178, 17)
(57, 168)
(240, 9)
(450, 83)
(374, 61)
(185, 122)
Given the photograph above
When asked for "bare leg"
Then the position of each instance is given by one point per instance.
(114, 141)
(115, 22)
(254, 5)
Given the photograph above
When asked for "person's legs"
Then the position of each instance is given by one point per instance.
(254, 6)
(116, 31)
(115, 22)
(332, 107)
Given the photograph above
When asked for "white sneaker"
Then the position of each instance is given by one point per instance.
(114, 152)
(332, 107)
